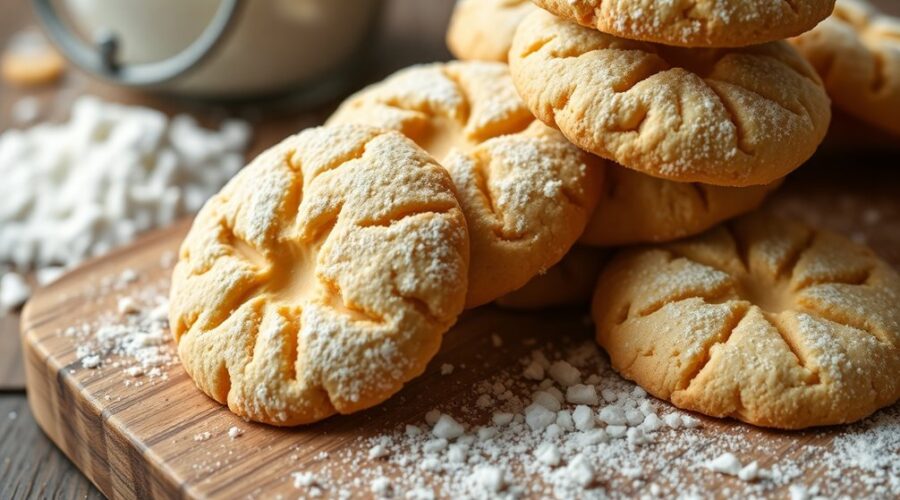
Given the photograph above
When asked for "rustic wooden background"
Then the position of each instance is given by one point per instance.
(840, 189)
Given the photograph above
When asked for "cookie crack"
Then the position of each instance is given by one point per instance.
(792, 4)
(461, 89)
(536, 46)
(763, 97)
(702, 194)
(646, 69)
(729, 331)
(740, 246)
(291, 337)
(253, 334)
(481, 183)
(338, 161)
(228, 309)
(675, 254)
(562, 102)
(739, 132)
(419, 305)
(775, 321)
(398, 214)
(859, 324)
(710, 298)
(333, 292)
(787, 267)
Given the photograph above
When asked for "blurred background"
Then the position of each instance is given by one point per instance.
(100, 96)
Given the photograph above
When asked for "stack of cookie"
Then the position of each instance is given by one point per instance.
(856, 51)
(321, 279)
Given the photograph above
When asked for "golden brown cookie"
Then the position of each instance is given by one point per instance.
(731, 117)
(763, 319)
(695, 23)
(30, 60)
(857, 53)
(526, 191)
(637, 208)
(569, 283)
(322, 277)
(482, 30)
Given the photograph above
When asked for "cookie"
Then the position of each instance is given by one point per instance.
(763, 319)
(322, 277)
(637, 208)
(30, 60)
(857, 53)
(482, 30)
(569, 283)
(695, 23)
(526, 191)
(731, 117)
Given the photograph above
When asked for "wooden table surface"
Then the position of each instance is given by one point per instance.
(850, 185)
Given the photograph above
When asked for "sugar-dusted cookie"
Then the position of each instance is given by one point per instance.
(29, 60)
(857, 53)
(637, 208)
(322, 277)
(695, 23)
(570, 282)
(526, 191)
(482, 30)
(764, 320)
(732, 117)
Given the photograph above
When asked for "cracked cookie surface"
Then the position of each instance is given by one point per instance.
(526, 191)
(322, 277)
(762, 319)
(482, 30)
(733, 117)
(638, 208)
(695, 23)
(856, 51)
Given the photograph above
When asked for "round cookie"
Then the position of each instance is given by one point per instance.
(482, 30)
(30, 60)
(731, 117)
(321, 278)
(857, 53)
(569, 283)
(637, 208)
(695, 23)
(527, 192)
(763, 319)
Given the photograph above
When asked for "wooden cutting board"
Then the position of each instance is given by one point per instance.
(140, 442)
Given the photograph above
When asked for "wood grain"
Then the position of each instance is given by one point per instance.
(138, 442)
(23, 446)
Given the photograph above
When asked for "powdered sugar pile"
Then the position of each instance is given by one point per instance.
(82, 187)
(572, 428)
(134, 339)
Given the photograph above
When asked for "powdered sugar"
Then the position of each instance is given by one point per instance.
(628, 444)
(133, 340)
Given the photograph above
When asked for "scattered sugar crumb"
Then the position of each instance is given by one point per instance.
(202, 436)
